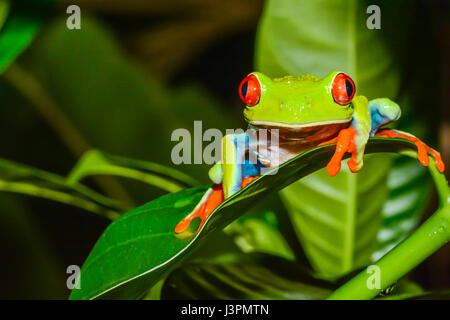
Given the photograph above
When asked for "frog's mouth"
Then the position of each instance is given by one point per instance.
(308, 132)
(294, 126)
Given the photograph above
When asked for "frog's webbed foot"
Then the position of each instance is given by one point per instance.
(345, 142)
(422, 148)
(212, 198)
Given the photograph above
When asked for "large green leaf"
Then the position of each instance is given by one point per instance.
(337, 219)
(317, 37)
(244, 276)
(140, 247)
(23, 22)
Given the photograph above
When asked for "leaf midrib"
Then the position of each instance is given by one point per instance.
(347, 262)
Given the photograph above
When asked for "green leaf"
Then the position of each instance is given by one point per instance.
(336, 219)
(24, 21)
(261, 229)
(220, 247)
(244, 276)
(259, 232)
(140, 247)
(95, 162)
(18, 178)
(409, 189)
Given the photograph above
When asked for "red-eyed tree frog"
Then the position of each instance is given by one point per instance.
(308, 111)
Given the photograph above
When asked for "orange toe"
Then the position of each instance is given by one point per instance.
(333, 167)
(352, 164)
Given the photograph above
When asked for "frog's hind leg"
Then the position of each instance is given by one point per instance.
(215, 195)
(210, 200)
(422, 148)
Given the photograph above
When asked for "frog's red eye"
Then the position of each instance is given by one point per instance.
(343, 89)
(250, 90)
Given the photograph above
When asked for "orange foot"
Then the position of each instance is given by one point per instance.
(205, 208)
(422, 148)
(346, 142)
(214, 198)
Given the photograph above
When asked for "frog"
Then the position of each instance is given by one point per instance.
(305, 111)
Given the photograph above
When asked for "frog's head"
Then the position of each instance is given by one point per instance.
(297, 102)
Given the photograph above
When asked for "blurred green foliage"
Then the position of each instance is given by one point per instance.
(19, 23)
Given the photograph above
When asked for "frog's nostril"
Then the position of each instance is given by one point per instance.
(250, 90)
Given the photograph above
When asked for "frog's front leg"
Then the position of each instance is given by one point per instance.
(384, 111)
(229, 175)
(352, 139)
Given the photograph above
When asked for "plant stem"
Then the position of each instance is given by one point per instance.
(428, 238)
(31, 190)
